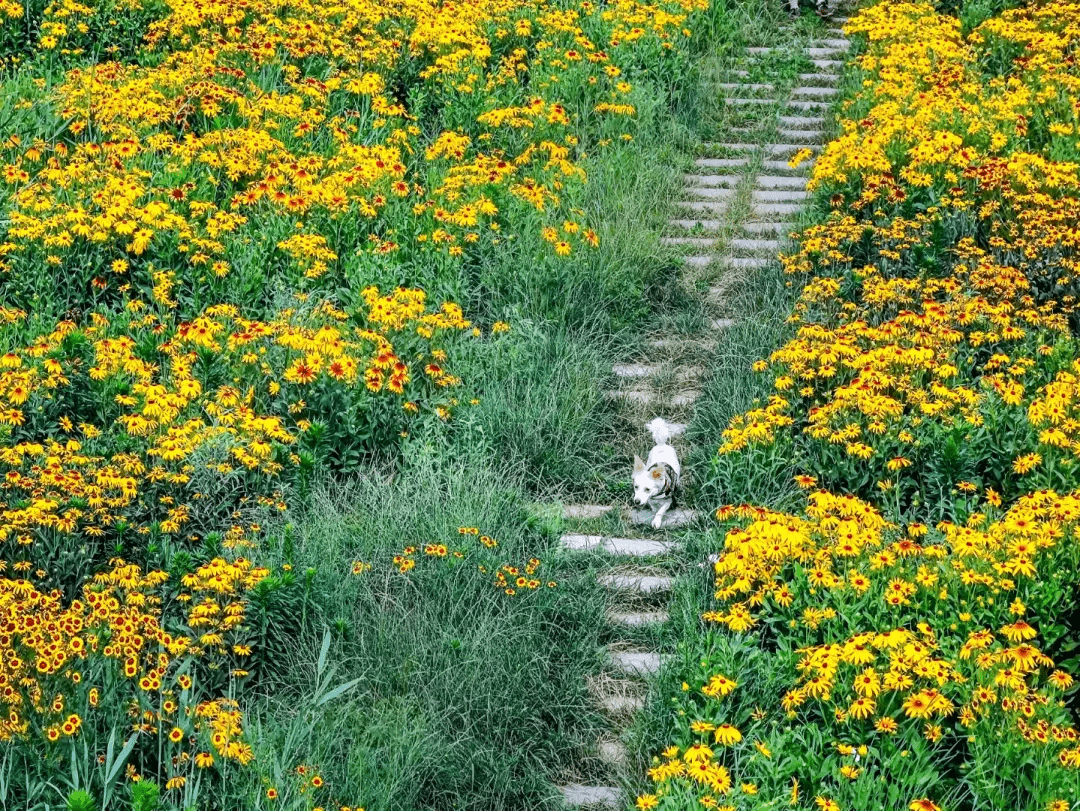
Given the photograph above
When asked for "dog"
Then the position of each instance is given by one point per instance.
(656, 480)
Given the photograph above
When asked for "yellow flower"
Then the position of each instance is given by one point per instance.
(886, 725)
(727, 735)
(719, 686)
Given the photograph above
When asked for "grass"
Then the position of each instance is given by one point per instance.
(542, 408)
(758, 302)
(457, 695)
(763, 299)
(466, 698)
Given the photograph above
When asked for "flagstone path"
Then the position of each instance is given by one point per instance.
(736, 211)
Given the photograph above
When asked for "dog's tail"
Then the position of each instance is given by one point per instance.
(661, 430)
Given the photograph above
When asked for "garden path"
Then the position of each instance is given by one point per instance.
(737, 208)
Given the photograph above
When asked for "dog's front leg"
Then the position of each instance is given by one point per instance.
(659, 517)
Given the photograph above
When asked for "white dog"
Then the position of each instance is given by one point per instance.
(656, 480)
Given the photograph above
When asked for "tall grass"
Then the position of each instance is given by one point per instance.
(467, 698)
(758, 303)
(458, 695)
(762, 301)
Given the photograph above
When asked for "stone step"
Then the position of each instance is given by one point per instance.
(774, 150)
(812, 53)
(697, 261)
(756, 227)
(802, 122)
(743, 86)
(695, 242)
(780, 150)
(710, 192)
(721, 323)
(634, 369)
(585, 512)
(710, 207)
(636, 619)
(678, 517)
(643, 370)
(811, 138)
(641, 663)
(814, 91)
(780, 182)
(579, 796)
(636, 581)
(640, 370)
(726, 181)
(613, 753)
(819, 78)
(748, 262)
(640, 517)
(839, 43)
(646, 397)
(742, 101)
(630, 547)
(808, 78)
(733, 147)
(720, 163)
(706, 225)
(622, 705)
(777, 195)
(755, 245)
(776, 209)
(833, 65)
(799, 104)
(782, 166)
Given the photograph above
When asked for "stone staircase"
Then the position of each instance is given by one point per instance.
(736, 212)
(639, 578)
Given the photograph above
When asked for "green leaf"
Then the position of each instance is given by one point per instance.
(337, 691)
(113, 767)
(323, 652)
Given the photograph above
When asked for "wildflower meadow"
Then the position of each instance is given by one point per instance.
(309, 313)
(249, 254)
(892, 619)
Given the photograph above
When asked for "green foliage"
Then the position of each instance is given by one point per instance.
(464, 696)
(145, 796)
(81, 800)
(434, 688)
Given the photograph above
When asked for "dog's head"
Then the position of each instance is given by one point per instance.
(647, 483)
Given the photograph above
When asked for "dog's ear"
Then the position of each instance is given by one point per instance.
(638, 464)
